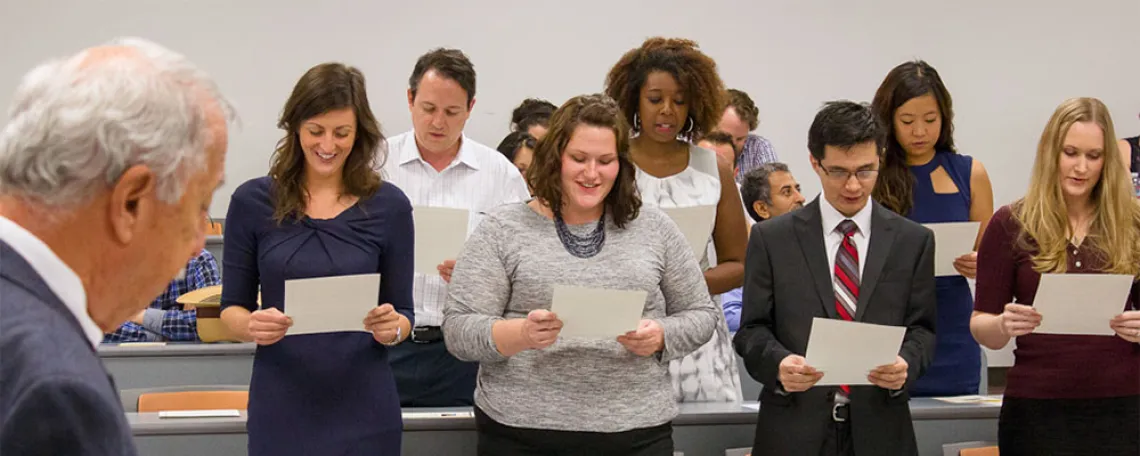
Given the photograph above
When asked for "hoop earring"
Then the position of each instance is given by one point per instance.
(691, 124)
(636, 123)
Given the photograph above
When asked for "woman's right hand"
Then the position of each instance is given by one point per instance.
(1019, 320)
(540, 329)
(267, 326)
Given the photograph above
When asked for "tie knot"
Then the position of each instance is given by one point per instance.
(847, 227)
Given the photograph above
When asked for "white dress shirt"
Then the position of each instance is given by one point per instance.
(832, 238)
(478, 179)
(54, 272)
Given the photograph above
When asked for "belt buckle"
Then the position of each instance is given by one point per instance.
(418, 332)
(835, 408)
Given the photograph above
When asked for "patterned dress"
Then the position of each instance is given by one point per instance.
(708, 374)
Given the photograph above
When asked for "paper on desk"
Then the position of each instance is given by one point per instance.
(420, 415)
(597, 313)
(1080, 303)
(440, 234)
(846, 351)
(330, 304)
(220, 413)
(952, 240)
(972, 399)
(696, 223)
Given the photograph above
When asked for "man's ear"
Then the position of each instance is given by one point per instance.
(132, 202)
(761, 209)
(471, 105)
(411, 98)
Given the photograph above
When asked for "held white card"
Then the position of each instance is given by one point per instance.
(220, 413)
(440, 234)
(846, 351)
(597, 313)
(1080, 303)
(952, 240)
(330, 304)
(696, 224)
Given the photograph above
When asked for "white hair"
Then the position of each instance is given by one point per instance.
(77, 124)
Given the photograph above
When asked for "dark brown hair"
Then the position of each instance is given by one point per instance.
(717, 137)
(745, 108)
(532, 111)
(895, 188)
(545, 172)
(694, 71)
(450, 63)
(325, 87)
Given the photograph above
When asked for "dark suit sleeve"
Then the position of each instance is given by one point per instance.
(755, 341)
(921, 314)
(64, 416)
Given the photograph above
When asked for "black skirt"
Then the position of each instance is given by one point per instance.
(496, 439)
(1101, 426)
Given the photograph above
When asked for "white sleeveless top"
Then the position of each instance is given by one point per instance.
(708, 374)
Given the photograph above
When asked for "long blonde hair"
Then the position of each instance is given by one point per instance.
(1043, 213)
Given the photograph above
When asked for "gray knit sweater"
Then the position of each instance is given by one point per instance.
(509, 267)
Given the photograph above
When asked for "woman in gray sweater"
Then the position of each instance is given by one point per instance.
(539, 393)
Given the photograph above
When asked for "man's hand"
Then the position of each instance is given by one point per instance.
(891, 376)
(796, 375)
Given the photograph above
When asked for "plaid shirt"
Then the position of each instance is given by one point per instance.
(757, 151)
(165, 319)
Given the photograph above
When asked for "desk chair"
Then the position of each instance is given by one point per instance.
(970, 449)
(188, 397)
(749, 388)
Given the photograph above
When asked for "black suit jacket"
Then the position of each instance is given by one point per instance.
(787, 283)
(55, 396)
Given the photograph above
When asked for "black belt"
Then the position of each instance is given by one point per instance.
(427, 334)
(840, 412)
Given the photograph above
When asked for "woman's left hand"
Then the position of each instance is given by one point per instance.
(384, 323)
(649, 338)
(1127, 326)
(967, 265)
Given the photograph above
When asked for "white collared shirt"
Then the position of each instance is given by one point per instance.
(54, 272)
(832, 238)
(478, 179)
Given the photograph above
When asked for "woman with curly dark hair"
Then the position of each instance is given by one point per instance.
(670, 93)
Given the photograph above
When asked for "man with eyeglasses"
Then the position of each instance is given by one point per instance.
(842, 256)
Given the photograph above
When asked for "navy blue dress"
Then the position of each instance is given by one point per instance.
(956, 369)
(328, 394)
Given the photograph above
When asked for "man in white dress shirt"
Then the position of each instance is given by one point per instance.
(437, 166)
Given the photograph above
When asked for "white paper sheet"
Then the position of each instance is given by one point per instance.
(220, 413)
(597, 313)
(952, 240)
(696, 224)
(440, 234)
(330, 304)
(972, 399)
(846, 351)
(417, 415)
(1080, 303)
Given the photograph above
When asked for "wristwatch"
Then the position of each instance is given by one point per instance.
(396, 340)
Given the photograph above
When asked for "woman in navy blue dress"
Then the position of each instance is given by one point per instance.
(322, 211)
(924, 178)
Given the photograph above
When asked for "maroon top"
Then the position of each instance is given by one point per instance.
(1051, 366)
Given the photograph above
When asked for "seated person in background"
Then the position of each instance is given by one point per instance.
(532, 116)
(518, 147)
(740, 117)
(165, 319)
(721, 143)
(1130, 152)
(768, 191)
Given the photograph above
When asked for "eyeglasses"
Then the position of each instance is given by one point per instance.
(843, 175)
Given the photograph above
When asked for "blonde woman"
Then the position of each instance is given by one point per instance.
(1065, 394)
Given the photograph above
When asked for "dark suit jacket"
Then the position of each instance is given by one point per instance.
(55, 396)
(787, 282)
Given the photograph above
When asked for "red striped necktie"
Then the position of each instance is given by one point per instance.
(846, 280)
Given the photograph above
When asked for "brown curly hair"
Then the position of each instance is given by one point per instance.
(325, 87)
(694, 71)
(740, 102)
(545, 172)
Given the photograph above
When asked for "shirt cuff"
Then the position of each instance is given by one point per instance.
(152, 320)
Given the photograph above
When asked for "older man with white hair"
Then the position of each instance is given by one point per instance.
(108, 164)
